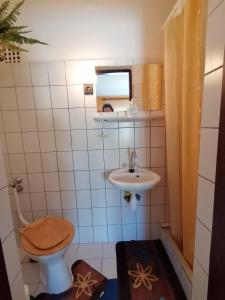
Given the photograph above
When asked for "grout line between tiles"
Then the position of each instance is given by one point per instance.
(25, 161)
(54, 132)
(74, 179)
(39, 144)
(89, 173)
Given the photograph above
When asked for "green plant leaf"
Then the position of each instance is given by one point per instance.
(11, 36)
(3, 10)
(19, 39)
(14, 47)
(13, 14)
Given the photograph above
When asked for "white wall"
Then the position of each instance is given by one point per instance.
(52, 142)
(208, 146)
(7, 239)
(126, 32)
(89, 29)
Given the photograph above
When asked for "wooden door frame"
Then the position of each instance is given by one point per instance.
(216, 286)
(5, 292)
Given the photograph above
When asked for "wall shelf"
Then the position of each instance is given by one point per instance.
(139, 116)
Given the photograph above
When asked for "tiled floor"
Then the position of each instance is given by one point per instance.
(102, 257)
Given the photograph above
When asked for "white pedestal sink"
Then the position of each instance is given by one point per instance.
(139, 180)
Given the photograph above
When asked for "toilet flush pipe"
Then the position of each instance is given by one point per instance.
(18, 208)
(16, 185)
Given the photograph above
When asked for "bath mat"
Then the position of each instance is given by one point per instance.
(111, 291)
(145, 272)
(88, 284)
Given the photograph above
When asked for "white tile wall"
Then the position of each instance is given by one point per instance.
(54, 144)
(62, 140)
(6, 220)
(75, 95)
(49, 162)
(213, 5)
(42, 97)
(3, 178)
(22, 74)
(214, 41)
(208, 153)
(86, 234)
(200, 282)
(11, 121)
(17, 289)
(7, 238)
(208, 148)
(31, 142)
(115, 233)
(6, 76)
(59, 96)
(8, 99)
(14, 142)
(38, 201)
(202, 245)
(100, 234)
(39, 74)
(56, 71)
(44, 120)
(11, 257)
(25, 97)
(212, 99)
(206, 191)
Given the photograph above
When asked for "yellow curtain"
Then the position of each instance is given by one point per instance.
(184, 65)
(173, 94)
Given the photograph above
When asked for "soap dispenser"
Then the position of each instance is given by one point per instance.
(132, 107)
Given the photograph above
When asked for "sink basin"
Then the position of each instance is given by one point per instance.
(139, 180)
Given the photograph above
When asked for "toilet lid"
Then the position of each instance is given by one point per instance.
(47, 233)
(30, 249)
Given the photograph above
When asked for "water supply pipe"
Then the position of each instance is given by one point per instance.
(16, 185)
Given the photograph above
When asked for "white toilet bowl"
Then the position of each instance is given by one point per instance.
(55, 275)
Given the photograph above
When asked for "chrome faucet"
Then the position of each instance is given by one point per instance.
(132, 161)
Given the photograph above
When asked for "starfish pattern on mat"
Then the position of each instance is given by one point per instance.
(84, 284)
(143, 276)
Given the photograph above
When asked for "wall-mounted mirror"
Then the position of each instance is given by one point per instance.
(113, 89)
(117, 85)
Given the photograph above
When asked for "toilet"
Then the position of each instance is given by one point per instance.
(46, 241)
(44, 245)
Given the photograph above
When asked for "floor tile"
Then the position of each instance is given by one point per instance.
(95, 263)
(109, 268)
(89, 251)
(40, 290)
(33, 287)
(109, 250)
(31, 273)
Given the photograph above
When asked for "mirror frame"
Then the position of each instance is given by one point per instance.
(105, 71)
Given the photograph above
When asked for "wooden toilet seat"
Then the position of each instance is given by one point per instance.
(53, 247)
